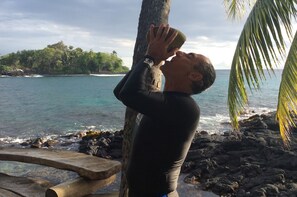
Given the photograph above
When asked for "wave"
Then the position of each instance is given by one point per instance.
(220, 123)
(27, 76)
(33, 76)
(68, 140)
(12, 140)
(107, 75)
(250, 111)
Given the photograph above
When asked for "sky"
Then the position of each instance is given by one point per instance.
(111, 25)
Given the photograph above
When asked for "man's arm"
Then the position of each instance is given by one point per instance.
(132, 90)
(120, 85)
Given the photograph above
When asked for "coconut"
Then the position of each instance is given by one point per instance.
(176, 43)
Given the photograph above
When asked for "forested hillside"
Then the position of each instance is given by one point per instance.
(60, 59)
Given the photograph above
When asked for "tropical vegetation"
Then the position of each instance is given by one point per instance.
(61, 59)
(262, 45)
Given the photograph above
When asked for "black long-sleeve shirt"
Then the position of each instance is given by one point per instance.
(162, 137)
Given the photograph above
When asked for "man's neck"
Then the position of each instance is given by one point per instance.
(174, 87)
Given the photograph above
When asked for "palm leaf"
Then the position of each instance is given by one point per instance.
(287, 98)
(260, 46)
(237, 8)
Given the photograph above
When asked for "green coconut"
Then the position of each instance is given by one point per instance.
(176, 43)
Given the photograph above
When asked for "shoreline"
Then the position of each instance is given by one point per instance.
(252, 162)
(65, 75)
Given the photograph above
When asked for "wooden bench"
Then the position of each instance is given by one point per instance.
(94, 172)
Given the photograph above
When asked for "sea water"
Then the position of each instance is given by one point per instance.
(43, 106)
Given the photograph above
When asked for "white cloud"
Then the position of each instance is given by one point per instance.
(107, 25)
(219, 52)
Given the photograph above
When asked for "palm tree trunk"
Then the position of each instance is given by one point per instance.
(156, 12)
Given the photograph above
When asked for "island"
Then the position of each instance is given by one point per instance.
(60, 59)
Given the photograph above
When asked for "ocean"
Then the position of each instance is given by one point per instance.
(40, 106)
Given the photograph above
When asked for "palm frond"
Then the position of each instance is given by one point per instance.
(237, 8)
(287, 98)
(260, 46)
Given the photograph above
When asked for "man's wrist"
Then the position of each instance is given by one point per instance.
(150, 57)
(149, 60)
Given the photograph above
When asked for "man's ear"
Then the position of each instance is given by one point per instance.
(195, 76)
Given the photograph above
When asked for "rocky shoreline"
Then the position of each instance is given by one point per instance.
(252, 162)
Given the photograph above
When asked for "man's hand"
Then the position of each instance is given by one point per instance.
(158, 44)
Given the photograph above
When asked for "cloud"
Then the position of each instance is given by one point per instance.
(219, 52)
(107, 25)
(204, 18)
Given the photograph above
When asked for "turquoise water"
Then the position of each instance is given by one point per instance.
(39, 106)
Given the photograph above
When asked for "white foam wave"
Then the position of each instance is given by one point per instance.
(250, 111)
(221, 122)
(11, 140)
(33, 76)
(4, 76)
(214, 124)
(107, 75)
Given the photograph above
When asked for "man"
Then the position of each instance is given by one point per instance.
(163, 135)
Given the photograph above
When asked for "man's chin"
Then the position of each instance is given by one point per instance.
(167, 63)
(163, 67)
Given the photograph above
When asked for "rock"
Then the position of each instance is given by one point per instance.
(115, 153)
(232, 145)
(50, 143)
(252, 123)
(292, 186)
(102, 144)
(26, 143)
(251, 170)
(187, 167)
(191, 180)
(252, 162)
(37, 143)
(286, 161)
(248, 163)
(271, 190)
(15, 72)
(270, 121)
(203, 133)
(258, 192)
(222, 185)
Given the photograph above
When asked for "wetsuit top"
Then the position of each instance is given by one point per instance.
(162, 137)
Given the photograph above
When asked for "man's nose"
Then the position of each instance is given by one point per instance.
(179, 53)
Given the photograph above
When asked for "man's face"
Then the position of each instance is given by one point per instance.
(181, 65)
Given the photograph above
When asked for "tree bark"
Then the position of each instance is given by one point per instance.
(152, 12)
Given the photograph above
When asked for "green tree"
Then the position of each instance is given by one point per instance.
(11, 60)
(26, 58)
(61, 59)
(60, 45)
(261, 45)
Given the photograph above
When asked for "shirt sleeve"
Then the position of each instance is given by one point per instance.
(133, 92)
(120, 85)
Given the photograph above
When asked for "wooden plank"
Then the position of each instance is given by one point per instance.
(5, 193)
(113, 194)
(11, 186)
(78, 187)
(85, 165)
